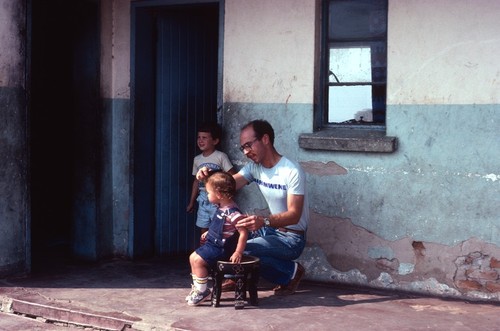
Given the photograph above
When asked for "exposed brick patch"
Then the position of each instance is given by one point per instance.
(469, 285)
(487, 275)
(493, 287)
(494, 263)
(477, 271)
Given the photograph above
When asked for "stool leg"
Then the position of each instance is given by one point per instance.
(245, 286)
(217, 289)
(239, 302)
(252, 286)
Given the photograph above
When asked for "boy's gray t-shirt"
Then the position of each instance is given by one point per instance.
(216, 161)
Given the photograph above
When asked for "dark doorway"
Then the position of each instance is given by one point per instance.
(64, 121)
(175, 87)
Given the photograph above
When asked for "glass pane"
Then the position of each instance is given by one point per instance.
(357, 19)
(351, 64)
(347, 103)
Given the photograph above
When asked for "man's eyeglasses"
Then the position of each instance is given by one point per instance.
(247, 146)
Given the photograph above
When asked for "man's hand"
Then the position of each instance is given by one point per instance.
(203, 173)
(251, 222)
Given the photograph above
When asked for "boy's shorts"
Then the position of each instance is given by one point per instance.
(206, 210)
(211, 252)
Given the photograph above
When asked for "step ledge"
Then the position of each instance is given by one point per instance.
(71, 316)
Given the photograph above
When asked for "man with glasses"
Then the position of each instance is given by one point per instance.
(278, 238)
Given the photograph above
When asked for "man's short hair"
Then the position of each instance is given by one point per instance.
(261, 127)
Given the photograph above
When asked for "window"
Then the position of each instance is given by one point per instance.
(355, 60)
(350, 90)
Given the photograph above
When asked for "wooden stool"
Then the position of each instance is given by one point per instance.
(246, 277)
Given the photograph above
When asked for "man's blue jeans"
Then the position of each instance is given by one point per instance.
(276, 251)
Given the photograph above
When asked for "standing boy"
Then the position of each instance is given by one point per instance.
(223, 240)
(209, 136)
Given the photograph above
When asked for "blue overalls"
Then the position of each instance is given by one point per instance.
(216, 247)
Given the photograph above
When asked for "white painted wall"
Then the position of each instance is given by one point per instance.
(11, 48)
(269, 51)
(115, 49)
(444, 52)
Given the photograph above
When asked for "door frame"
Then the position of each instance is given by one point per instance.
(142, 219)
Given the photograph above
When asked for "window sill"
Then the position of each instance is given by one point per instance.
(349, 140)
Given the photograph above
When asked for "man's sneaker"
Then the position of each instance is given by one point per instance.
(228, 285)
(292, 286)
(198, 297)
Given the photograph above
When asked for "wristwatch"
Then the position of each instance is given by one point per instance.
(267, 222)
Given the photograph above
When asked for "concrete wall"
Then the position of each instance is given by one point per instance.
(256, 34)
(115, 91)
(14, 202)
(424, 218)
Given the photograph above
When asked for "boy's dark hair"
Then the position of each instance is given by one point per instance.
(261, 127)
(213, 128)
(223, 183)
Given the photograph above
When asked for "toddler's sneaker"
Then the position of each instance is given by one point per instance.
(198, 297)
(190, 293)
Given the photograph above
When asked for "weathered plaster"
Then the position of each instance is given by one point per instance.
(12, 41)
(423, 190)
(116, 184)
(14, 205)
(115, 49)
(440, 52)
(340, 251)
(269, 51)
(323, 169)
(399, 220)
(115, 92)
(442, 180)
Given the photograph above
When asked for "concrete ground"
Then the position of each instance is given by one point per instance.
(149, 295)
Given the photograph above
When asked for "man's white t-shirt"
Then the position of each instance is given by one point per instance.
(275, 183)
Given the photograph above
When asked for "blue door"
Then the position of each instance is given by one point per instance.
(184, 74)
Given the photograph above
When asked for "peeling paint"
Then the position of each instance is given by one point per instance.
(323, 169)
(382, 171)
(381, 252)
(340, 251)
(406, 268)
(319, 269)
(492, 177)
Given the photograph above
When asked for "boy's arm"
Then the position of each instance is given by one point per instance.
(240, 247)
(194, 194)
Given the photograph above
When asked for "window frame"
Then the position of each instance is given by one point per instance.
(326, 45)
(332, 136)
